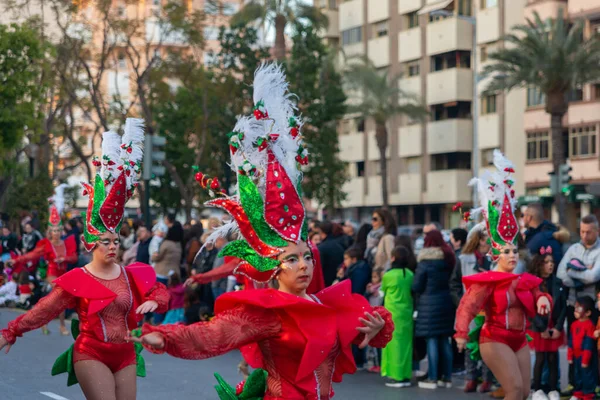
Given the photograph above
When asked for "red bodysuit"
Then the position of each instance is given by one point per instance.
(106, 310)
(67, 250)
(507, 299)
(303, 345)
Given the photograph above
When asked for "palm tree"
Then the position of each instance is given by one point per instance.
(279, 13)
(374, 94)
(553, 57)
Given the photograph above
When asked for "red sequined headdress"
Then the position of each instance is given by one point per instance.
(116, 178)
(498, 203)
(57, 206)
(267, 153)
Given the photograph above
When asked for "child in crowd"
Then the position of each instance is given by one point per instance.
(159, 231)
(396, 362)
(25, 287)
(356, 269)
(195, 311)
(9, 290)
(176, 311)
(375, 298)
(582, 350)
(546, 330)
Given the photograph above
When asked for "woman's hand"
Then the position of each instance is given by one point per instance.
(373, 323)
(461, 344)
(4, 343)
(545, 334)
(543, 305)
(189, 282)
(147, 307)
(154, 340)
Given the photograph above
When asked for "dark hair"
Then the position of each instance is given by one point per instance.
(354, 252)
(590, 219)
(203, 312)
(170, 217)
(175, 232)
(194, 232)
(337, 229)
(460, 235)
(401, 256)
(23, 278)
(435, 239)
(326, 227)
(536, 266)
(190, 296)
(407, 242)
(536, 210)
(389, 223)
(174, 280)
(586, 302)
(361, 236)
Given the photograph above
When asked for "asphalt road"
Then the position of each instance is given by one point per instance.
(25, 375)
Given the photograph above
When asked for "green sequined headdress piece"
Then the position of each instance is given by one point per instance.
(267, 154)
(498, 204)
(116, 179)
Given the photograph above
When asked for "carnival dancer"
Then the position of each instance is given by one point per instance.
(109, 299)
(304, 342)
(56, 253)
(507, 299)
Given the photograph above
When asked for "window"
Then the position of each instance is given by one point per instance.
(230, 8)
(582, 141)
(465, 7)
(483, 54)
(211, 7)
(452, 59)
(453, 110)
(488, 104)
(438, 17)
(210, 59)
(458, 160)
(352, 36)
(413, 68)
(412, 20)
(575, 95)
(121, 63)
(538, 146)
(360, 125)
(488, 4)
(379, 29)
(360, 168)
(211, 33)
(596, 91)
(121, 11)
(413, 165)
(535, 97)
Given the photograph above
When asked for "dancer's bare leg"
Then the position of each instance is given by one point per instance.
(96, 380)
(506, 367)
(125, 381)
(524, 358)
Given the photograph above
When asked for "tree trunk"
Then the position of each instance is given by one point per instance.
(557, 106)
(382, 144)
(280, 23)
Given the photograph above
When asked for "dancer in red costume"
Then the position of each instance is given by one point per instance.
(109, 299)
(304, 342)
(55, 251)
(507, 299)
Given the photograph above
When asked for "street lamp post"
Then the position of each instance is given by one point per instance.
(475, 103)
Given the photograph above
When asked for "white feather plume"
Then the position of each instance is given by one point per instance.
(133, 137)
(111, 148)
(58, 199)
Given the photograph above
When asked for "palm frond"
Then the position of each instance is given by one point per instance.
(313, 14)
(252, 11)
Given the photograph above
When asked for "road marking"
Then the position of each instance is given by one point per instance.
(53, 396)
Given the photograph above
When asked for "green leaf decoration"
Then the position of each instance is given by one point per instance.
(241, 249)
(141, 363)
(254, 388)
(493, 218)
(473, 343)
(252, 203)
(99, 197)
(224, 390)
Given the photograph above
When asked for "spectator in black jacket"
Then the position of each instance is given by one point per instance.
(332, 252)
(144, 237)
(540, 232)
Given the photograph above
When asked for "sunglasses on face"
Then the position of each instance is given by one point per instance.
(508, 251)
(106, 242)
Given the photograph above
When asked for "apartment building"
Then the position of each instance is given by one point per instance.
(581, 124)
(429, 42)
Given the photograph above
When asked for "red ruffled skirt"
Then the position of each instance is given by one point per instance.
(541, 345)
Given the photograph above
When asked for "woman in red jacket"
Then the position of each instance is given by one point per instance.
(303, 341)
(109, 299)
(507, 299)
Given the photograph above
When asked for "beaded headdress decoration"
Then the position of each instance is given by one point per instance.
(498, 204)
(117, 175)
(267, 153)
(56, 206)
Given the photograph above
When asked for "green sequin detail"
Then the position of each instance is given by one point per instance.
(493, 218)
(304, 230)
(253, 205)
(241, 249)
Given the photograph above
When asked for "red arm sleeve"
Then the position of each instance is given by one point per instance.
(70, 250)
(45, 311)
(33, 256)
(229, 330)
(160, 295)
(471, 303)
(218, 273)
(384, 335)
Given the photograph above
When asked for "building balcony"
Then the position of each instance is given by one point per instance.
(356, 49)
(410, 86)
(449, 85)
(351, 147)
(351, 14)
(379, 51)
(333, 29)
(409, 45)
(354, 189)
(373, 197)
(410, 190)
(488, 25)
(579, 7)
(408, 6)
(378, 10)
(448, 186)
(409, 140)
(583, 113)
(448, 35)
(449, 136)
(488, 131)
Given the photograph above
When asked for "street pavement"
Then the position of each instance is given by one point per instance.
(25, 375)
